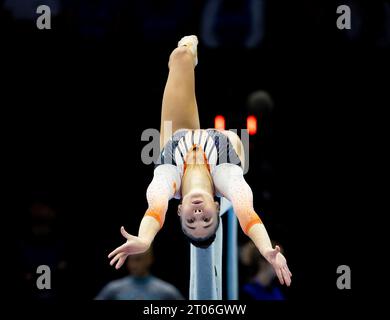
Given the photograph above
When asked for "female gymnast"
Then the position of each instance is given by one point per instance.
(197, 166)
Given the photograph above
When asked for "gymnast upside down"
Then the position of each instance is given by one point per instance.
(197, 166)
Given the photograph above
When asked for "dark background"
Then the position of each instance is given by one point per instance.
(77, 98)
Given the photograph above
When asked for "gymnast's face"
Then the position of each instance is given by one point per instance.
(199, 214)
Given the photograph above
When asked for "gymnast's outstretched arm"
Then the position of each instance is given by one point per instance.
(165, 183)
(230, 183)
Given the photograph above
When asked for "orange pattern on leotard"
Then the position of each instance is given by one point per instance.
(254, 220)
(155, 215)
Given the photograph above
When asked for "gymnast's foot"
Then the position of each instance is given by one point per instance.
(192, 43)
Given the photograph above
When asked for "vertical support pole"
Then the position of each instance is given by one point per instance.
(232, 258)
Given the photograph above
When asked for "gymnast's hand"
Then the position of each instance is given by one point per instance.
(133, 245)
(279, 263)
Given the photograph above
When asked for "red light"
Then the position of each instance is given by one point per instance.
(251, 125)
(219, 122)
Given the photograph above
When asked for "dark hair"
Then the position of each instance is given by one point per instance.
(202, 242)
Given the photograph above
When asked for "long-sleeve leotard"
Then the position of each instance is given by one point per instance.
(228, 180)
